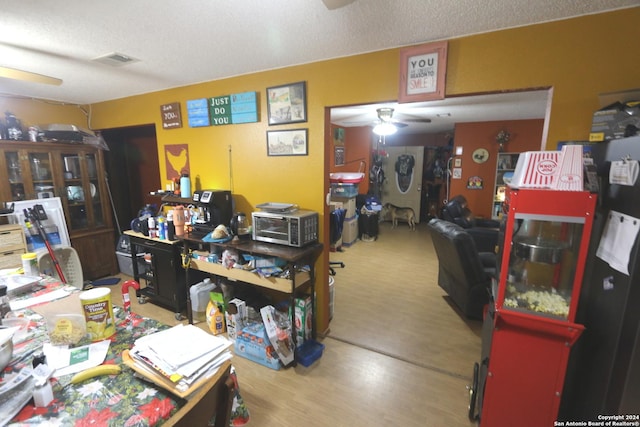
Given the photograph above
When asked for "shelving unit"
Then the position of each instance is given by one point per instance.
(294, 285)
(74, 173)
(163, 279)
(505, 164)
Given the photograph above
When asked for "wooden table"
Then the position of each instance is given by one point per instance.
(123, 399)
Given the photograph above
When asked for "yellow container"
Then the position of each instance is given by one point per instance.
(30, 264)
(98, 312)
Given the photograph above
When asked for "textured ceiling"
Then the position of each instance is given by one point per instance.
(181, 43)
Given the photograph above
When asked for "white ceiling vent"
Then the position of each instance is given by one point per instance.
(115, 59)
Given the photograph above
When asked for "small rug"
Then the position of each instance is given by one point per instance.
(109, 281)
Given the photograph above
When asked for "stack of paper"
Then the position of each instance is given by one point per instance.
(180, 358)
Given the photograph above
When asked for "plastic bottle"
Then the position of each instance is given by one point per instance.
(200, 298)
(30, 264)
(153, 231)
(185, 186)
(162, 228)
(171, 229)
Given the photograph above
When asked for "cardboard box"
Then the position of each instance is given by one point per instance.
(303, 316)
(348, 203)
(252, 343)
(611, 121)
(557, 170)
(350, 231)
(569, 176)
(279, 338)
(536, 169)
(235, 317)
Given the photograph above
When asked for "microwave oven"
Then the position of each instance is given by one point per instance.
(298, 228)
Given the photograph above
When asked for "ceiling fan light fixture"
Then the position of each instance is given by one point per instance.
(385, 114)
(384, 129)
(28, 76)
(336, 4)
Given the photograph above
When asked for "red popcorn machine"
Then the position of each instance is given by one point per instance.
(529, 327)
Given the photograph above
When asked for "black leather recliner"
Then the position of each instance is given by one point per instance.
(483, 231)
(463, 272)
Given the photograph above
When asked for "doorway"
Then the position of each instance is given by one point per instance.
(381, 263)
(403, 186)
(133, 170)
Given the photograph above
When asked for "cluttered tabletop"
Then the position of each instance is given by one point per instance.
(76, 359)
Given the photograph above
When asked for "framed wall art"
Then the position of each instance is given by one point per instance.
(422, 72)
(287, 103)
(290, 142)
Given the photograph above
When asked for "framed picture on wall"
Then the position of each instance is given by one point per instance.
(422, 72)
(338, 155)
(291, 142)
(287, 103)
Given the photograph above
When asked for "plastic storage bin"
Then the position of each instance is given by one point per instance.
(125, 264)
(344, 190)
(309, 352)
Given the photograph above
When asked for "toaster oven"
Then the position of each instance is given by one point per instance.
(298, 228)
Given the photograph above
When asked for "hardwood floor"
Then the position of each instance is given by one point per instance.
(398, 353)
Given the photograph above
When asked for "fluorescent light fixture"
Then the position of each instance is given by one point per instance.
(384, 129)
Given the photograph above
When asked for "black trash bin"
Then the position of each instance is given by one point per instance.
(368, 226)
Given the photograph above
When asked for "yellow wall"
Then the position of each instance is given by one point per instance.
(32, 112)
(580, 58)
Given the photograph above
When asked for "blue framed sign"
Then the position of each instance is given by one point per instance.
(198, 113)
(234, 109)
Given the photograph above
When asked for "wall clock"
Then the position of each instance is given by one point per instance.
(480, 155)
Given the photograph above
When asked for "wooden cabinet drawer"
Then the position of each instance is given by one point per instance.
(11, 237)
(11, 259)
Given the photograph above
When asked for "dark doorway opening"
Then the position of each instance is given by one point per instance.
(133, 170)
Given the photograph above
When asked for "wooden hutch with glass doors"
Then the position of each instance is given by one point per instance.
(75, 173)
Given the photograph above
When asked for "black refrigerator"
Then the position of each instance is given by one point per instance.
(603, 375)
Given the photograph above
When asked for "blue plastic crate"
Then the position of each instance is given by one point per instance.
(309, 352)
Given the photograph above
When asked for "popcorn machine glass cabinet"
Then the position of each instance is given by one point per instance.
(542, 265)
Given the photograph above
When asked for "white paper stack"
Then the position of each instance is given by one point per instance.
(183, 354)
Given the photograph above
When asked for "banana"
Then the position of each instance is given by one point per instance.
(94, 372)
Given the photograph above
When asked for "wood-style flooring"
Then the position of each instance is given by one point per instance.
(398, 352)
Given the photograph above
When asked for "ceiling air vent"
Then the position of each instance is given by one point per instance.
(115, 59)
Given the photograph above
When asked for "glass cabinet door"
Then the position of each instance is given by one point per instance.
(16, 178)
(94, 190)
(77, 215)
(41, 175)
(82, 190)
(542, 265)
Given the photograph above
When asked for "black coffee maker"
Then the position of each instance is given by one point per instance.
(215, 207)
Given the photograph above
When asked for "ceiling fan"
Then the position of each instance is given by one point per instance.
(336, 4)
(27, 76)
(387, 125)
